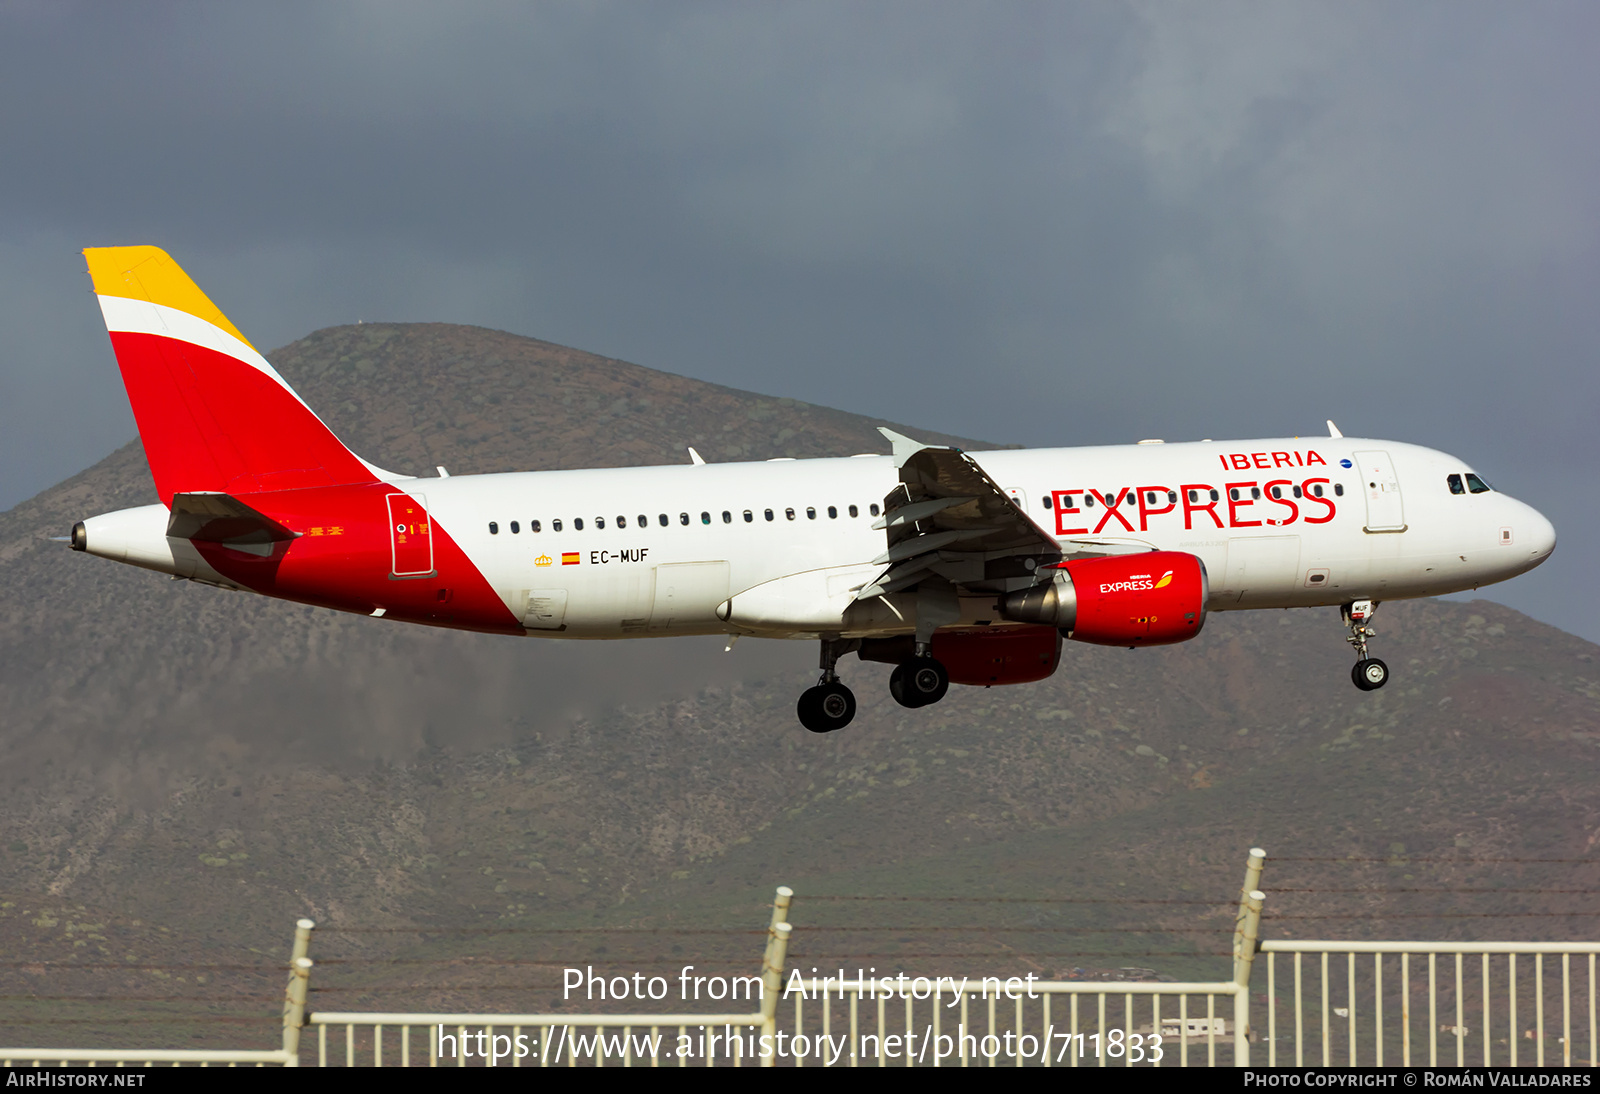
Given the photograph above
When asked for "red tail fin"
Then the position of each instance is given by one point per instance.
(213, 414)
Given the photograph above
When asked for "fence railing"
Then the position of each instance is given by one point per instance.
(1478, 986)
(1330, 1003)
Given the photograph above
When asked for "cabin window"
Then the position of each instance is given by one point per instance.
(873, 508)
(1317, 490)
(1215, 496)
(1088, 501)
(1476, 485)
(1234, 493)
(533, 526)
(683, 519)
(1456, 486)
(1298, 493)
(1045, 501)
(622, 522)
(705, 518)
(1172, 497)
(1338, 489)
(811, 513)
(555, 525)
(644, 521)
(1194, 496)
(833, 512)
(727, 517)
(577, 524)
(662, 519)
(748, 516)
(789, 513)
(599, 522)
(854, 512)
(515, 527)
(494, 528)
(768, 514)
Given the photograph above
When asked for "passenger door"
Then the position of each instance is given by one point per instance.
(1385, 509)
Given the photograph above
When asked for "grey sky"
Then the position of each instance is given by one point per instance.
(1050, 224)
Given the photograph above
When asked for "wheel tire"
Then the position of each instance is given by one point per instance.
(1370, 675)
(809, 709)
(925, 679)
(897, 688)
(826, 707)
(836, 707)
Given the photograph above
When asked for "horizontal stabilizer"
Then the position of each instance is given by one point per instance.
(222, 518)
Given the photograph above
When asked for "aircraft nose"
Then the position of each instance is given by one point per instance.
(1540, 538)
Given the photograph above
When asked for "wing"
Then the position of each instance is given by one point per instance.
(948, 519)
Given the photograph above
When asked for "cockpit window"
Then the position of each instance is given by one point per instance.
(1455, 484)
(1476, 485)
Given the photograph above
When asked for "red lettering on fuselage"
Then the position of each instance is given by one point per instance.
(1286, 502)
(1157, 501)
(1145, 512)
(1191, 493)
(1111, 510)
(1237, 499)
(1267, 461)
(1058, 502)
(1323, 501)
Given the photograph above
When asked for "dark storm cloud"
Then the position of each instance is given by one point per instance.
(1043, 223)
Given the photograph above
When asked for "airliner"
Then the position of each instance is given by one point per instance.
(954, 567)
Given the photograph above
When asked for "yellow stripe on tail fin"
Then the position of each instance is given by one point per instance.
(149, 274)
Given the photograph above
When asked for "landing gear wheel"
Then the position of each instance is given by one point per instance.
(1370, 674)
(919, 682)
(826, 707)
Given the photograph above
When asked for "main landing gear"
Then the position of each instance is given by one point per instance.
(1368, 673)
(830, 705)
(919, 682)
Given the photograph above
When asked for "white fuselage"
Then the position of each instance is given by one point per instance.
(593, 570)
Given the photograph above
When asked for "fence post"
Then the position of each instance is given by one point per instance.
(294, 996)
(1252, 882)
(1244, 949)
(772, 965)
(780, 914)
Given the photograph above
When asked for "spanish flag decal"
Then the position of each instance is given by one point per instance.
(569, 558)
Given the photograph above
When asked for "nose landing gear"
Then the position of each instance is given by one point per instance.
(1368, 673)
(830, 705)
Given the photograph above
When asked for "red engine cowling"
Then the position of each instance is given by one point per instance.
(1149, 599)
(980, 656)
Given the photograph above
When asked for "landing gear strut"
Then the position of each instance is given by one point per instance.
(1368, 673)
(830, 705)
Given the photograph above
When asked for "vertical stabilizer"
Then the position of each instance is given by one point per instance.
(213, 414)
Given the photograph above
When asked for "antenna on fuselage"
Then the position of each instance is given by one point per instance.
(696, 459)
(1333, 430)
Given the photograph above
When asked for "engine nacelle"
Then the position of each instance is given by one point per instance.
(980, 656)
(1150, 599)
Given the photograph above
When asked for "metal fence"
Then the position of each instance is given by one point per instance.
(1363, 999)
(1329, 1003)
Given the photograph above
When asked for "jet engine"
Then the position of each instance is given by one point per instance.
(1150, 599)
